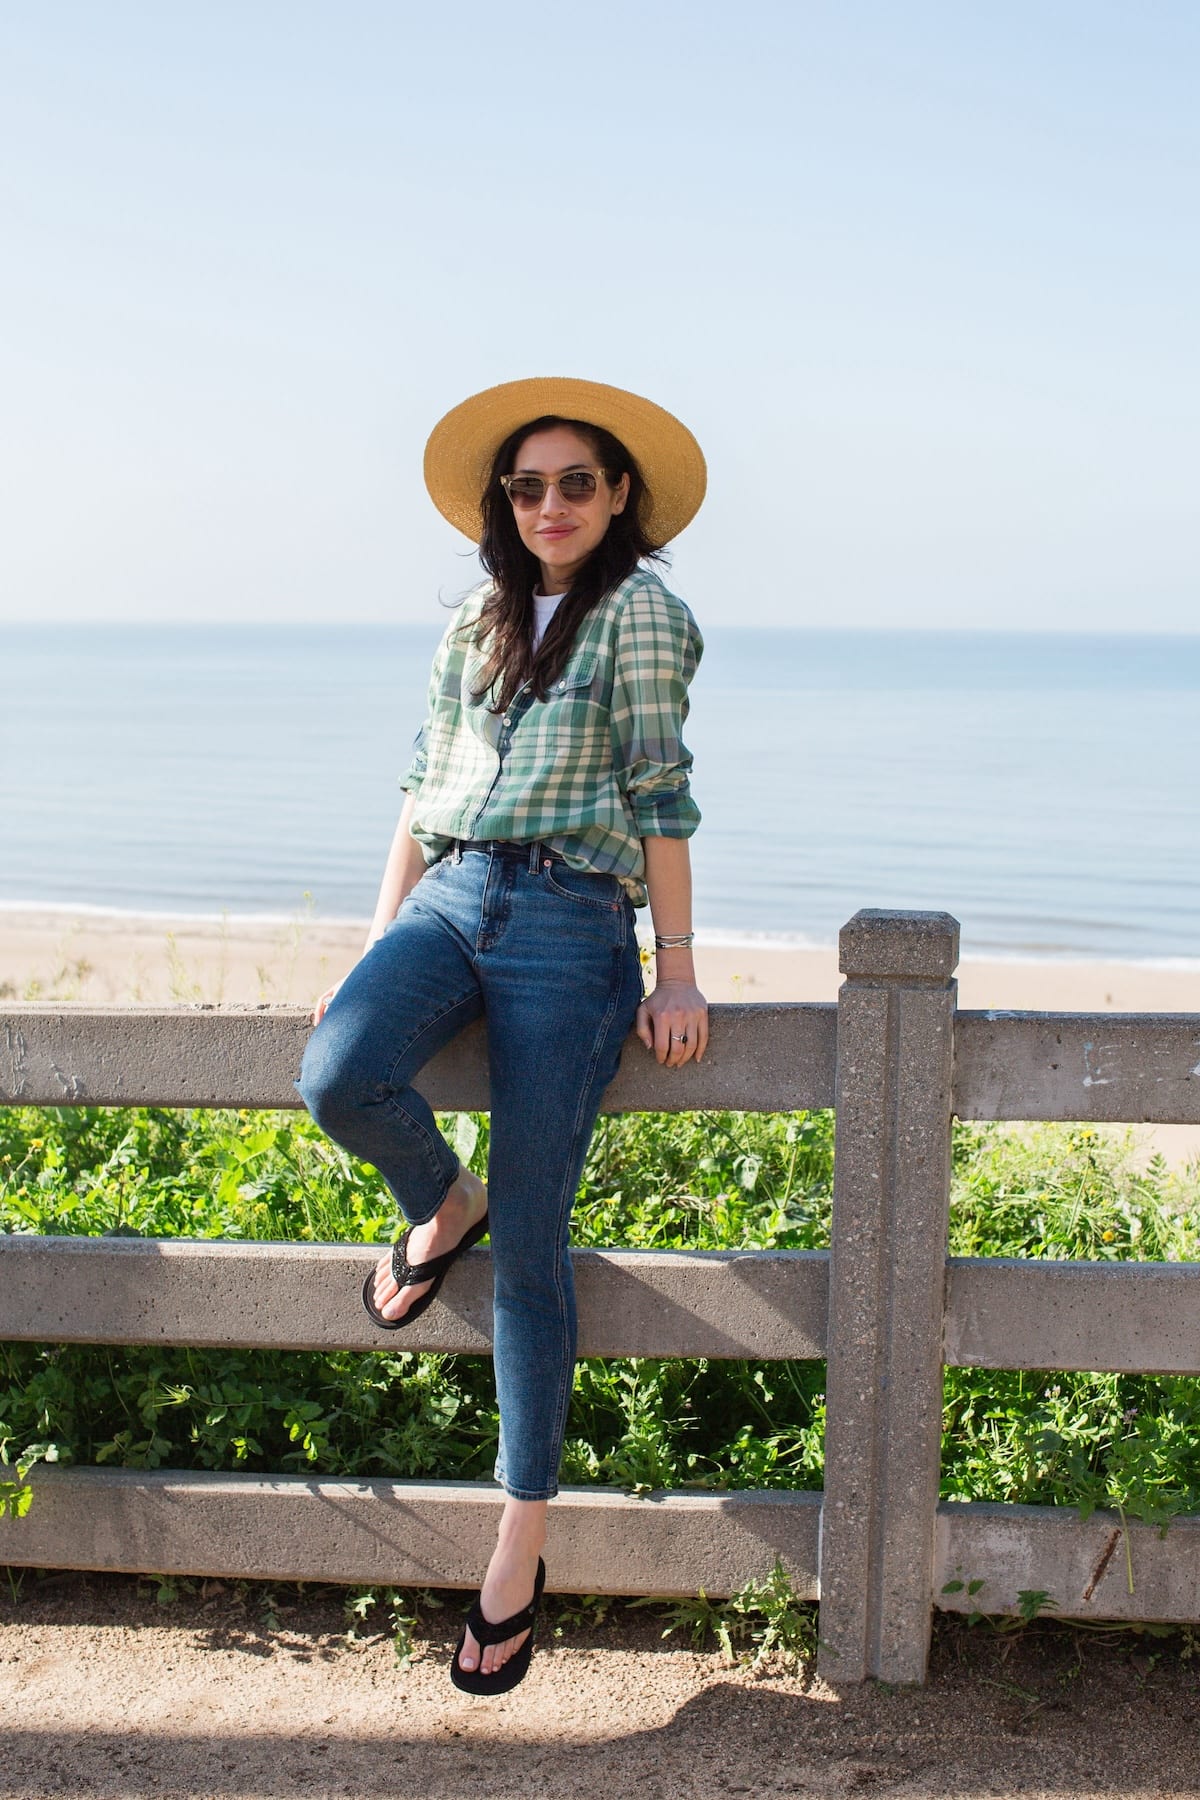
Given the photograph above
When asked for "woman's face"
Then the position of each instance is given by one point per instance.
(563, 533)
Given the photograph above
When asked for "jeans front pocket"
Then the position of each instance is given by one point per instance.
(602, 892)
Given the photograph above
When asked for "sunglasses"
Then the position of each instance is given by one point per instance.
(576, 487)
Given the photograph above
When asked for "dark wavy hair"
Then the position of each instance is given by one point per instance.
(505, 621)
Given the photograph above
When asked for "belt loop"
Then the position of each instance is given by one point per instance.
(456, 852)
(535, 857)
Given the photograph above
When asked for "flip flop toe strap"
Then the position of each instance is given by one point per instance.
(484, 1632)
(408, 1274)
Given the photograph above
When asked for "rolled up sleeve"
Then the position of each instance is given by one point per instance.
(418, 765)
(657, 649)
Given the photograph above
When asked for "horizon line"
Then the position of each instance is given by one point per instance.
(341, 624)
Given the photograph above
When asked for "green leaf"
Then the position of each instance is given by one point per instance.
(466, 1137)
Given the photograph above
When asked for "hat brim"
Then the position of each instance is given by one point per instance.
(463, 445)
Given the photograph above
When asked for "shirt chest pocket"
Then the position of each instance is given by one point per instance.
(572, 710)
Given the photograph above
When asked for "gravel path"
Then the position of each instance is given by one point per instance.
(104, 1692)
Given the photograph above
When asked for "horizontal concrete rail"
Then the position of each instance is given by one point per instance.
(1131, 1318)
(760, 1059)
(1001, 1313)
(1091, 1067)
(762, 1303)
(440, 1533)
(415, 1534)
(1080, 1563)
(1100, 1067)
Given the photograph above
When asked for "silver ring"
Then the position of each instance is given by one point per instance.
(675, 1038)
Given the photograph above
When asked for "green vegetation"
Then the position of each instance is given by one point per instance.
(762, 1623)
(690, 1181)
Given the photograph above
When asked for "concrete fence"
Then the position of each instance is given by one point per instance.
(885, 1305)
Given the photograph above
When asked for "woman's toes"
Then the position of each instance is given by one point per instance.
(492, 1658)
(413, 1294)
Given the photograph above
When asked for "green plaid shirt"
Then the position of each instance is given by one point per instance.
(591, 770)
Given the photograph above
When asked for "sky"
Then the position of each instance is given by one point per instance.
(924, 280)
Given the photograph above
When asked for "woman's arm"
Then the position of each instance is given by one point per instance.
(676, 1010)
(655, 656)
(402, 871)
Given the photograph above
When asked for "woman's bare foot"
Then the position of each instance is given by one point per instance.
(509, 1582)
(464, 1205)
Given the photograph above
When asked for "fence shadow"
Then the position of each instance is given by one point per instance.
(990, 1729)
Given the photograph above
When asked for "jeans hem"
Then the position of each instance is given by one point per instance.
(407, 1216)
(516, 1493)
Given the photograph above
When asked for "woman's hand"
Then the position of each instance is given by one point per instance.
(322, 1005)
(673, 1022)
(318, 1011)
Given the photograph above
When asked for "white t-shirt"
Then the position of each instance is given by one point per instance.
(544, 608)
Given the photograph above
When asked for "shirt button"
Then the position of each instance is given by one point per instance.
(561, 686)
(508, 721)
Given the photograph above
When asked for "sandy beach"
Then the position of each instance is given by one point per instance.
(107, 959)
(114, 958)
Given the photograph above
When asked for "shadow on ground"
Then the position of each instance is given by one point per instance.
(101, 1695)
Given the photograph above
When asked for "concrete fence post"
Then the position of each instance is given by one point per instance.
(887, 1283)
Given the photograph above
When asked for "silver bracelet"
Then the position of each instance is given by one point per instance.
(681, 940)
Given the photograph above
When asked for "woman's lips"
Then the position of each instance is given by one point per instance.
(556, 531)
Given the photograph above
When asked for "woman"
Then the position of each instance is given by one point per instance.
(547, 798)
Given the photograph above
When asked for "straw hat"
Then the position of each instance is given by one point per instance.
(461, 447)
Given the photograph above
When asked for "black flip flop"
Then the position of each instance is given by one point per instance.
(411, 1274)
(474, 1681)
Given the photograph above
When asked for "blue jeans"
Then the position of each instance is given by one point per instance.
(548, 954)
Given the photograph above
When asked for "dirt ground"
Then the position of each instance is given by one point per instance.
(105, 1692)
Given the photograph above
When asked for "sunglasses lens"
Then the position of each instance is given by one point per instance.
(579, 484)
(525, 490)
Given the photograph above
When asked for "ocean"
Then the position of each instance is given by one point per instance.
(1041, 787)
